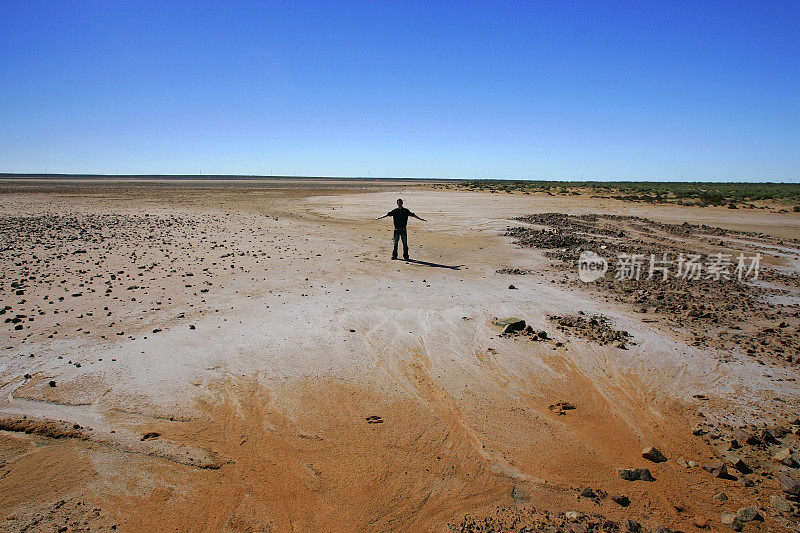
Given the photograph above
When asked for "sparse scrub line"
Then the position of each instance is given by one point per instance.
(697, 193)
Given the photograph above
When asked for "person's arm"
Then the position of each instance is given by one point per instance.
(418, 218)
(384, 216)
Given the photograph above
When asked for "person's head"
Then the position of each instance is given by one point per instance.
(399, 202)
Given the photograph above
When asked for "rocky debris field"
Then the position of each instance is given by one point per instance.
(765, 458)
(724, 315)
(110, 276)
(514, 271)
(594, 328)
(742, 317)
(71, 515)
(512, 326)
(733, 319)
(592, 225)
(532, 520)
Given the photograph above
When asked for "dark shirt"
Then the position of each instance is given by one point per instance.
(400, 216)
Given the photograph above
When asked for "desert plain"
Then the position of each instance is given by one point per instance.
(245, 356)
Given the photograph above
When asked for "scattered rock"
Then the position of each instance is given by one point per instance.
(730, 520)
(779, 504)
(771, 436)
(515, 271)
(744, 437)
(784, 456)
(636, 474)
(748, 514)
(595, 328)
(717, 469)
(620, 499)
(150, 435)
(519, 494)
(789, 485)
(633, 526)
(561, 408)
(742, 467)
(509, 324)
(653, 454)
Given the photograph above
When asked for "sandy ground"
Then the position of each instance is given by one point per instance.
(197, 357)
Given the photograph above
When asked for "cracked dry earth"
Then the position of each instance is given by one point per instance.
(245, 357)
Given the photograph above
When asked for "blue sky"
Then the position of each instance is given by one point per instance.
(553, 90)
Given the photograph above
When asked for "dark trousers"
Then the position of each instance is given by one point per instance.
(400, 234)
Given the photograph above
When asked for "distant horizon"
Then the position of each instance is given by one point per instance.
(70, 175)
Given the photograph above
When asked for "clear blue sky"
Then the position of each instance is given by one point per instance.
(692, 90)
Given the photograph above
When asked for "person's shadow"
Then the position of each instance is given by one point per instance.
(437, 265)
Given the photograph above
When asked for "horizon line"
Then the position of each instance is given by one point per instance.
(152, 176)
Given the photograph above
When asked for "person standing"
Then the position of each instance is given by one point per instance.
(400, 215)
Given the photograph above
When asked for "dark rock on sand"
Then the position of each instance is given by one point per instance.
(717, 469)
(636, 474)
(789, 485)
(620, 499)
(653, 454)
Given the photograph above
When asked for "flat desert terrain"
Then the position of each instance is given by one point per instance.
(245, 356)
